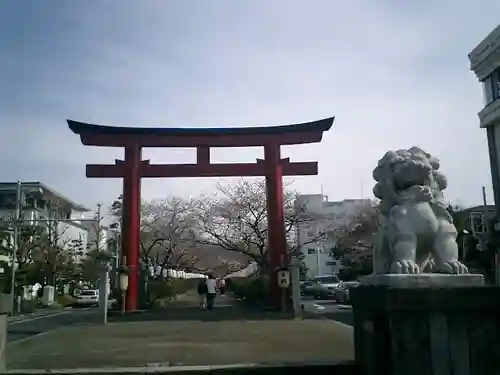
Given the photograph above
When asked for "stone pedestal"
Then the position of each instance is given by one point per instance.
(5, 309)
(5, 303)
(426, 324)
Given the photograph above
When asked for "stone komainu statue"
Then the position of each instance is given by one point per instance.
(417, 232)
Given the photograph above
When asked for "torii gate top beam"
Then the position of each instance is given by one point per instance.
(115, 136)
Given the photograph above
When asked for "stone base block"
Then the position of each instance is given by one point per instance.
(425, 280)
(442, 329)
(5, 303)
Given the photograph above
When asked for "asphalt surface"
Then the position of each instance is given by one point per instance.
(32, 326)
(329, 309)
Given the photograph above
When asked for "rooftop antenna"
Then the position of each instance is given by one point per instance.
(322, 192)
(361, 187)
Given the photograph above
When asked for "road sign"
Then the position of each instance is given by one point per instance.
(283, 278)
(477, 223)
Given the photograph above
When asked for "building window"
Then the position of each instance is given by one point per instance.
(311, 251)
(491, 87)
(311, 233)
(331, 263)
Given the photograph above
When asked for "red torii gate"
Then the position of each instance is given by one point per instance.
(133, 168)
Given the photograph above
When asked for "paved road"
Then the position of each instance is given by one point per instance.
(31, 326)
(329, 310)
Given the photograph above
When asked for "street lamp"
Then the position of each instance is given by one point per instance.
(123, 285)
(15, 247)
(464, 232)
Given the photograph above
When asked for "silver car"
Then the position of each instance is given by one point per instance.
(306, 288)
(324, 286)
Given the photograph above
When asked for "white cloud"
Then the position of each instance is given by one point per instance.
(394, 75)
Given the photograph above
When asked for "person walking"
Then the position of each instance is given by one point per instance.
(222, 286)
(202, 293)
(211, 291)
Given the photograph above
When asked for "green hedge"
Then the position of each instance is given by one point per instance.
(29, 306)
(252, 290)
(160, 292)
(65, 300)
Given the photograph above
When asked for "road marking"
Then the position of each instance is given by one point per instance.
(319, 307)
(37, 317)
(30, 319)
(24, 339)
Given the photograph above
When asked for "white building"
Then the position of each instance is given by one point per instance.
(315, 233)
(105, 239)
(485, 62)
(42, 205)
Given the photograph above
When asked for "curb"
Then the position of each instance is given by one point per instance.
(312, 315)
(340, 367)
(20, 341)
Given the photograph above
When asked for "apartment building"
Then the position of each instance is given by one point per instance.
(40, 204)
(318, 220)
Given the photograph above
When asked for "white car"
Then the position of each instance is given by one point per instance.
(87, 298)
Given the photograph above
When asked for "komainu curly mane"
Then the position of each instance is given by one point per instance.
(417, 230)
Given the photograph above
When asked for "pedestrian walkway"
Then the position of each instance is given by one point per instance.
(183, 334)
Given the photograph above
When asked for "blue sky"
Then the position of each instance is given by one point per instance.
(394, 73)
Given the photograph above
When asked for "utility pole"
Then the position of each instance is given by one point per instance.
(98, 227)
(104, 274)
(15, 247)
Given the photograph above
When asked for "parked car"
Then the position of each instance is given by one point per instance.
(342, 291)
(324, 286)
(87, 298)
(306, 288)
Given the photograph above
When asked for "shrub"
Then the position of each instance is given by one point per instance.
(253, 290)
(180, 286)
(28, 306)
(160, 291)
(65, 300)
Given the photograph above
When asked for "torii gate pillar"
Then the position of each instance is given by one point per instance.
(131, 218)
(275, 218)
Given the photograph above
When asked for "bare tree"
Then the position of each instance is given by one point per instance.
(167, 232)
(221, 267)
(235, 219)
(29, 239)
(355, 239)
(55, 253)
